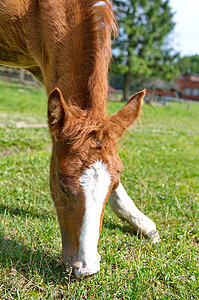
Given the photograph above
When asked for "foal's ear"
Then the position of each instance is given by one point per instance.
(58, 111)
(128, 114)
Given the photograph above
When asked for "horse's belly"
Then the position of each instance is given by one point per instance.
(13, 46)
(12, 9)
(15, 59)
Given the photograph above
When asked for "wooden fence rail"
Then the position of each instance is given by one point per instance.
(18, 75)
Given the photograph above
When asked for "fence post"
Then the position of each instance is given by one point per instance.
(22, 75)
(189, 106)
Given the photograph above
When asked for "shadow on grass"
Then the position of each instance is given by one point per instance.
(29, 263)
(26, 212)
(38, 263)
(123, 228)
(25, 261)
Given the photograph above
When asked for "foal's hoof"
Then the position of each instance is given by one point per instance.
(154, 236)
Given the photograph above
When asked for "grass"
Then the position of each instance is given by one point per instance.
(161, 174)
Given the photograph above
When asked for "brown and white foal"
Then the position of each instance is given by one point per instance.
(66, 45)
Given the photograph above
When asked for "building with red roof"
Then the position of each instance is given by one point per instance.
(187, 86)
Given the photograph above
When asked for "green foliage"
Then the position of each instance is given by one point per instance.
(189, 64)
(141, 48)
(160, 157)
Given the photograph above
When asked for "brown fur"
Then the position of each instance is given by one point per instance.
(66, 44)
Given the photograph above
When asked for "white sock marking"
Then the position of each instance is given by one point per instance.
(95, 182)
(125, 208)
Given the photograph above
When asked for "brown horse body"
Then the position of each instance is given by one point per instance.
(66, 45)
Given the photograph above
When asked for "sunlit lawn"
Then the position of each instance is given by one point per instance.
(161, 173)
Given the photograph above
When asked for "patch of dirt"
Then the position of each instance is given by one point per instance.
(25, 125)
(21, 121)
(7, 153)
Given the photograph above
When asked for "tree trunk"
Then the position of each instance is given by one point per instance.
(126, 87)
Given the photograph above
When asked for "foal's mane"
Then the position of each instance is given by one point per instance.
(86, 49)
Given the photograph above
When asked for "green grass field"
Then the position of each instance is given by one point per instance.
(161, 173)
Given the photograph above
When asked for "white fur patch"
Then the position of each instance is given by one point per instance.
(125, 209)
(95, 182)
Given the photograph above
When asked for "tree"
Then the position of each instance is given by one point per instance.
(140, 49)
(189, 64)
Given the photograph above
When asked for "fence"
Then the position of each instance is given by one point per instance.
(115, 95)
(17, 75)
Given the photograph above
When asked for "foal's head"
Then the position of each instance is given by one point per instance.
(85, 170)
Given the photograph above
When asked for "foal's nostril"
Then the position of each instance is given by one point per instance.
(75, 273)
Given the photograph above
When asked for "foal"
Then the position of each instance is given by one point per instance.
(66, 45)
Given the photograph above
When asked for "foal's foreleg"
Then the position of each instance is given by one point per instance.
(125, 209)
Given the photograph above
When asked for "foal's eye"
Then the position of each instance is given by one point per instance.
(63, 189)
(99, 147)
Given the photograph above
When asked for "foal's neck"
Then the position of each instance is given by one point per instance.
(77, 51)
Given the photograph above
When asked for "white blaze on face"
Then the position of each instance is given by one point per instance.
(95, 182)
